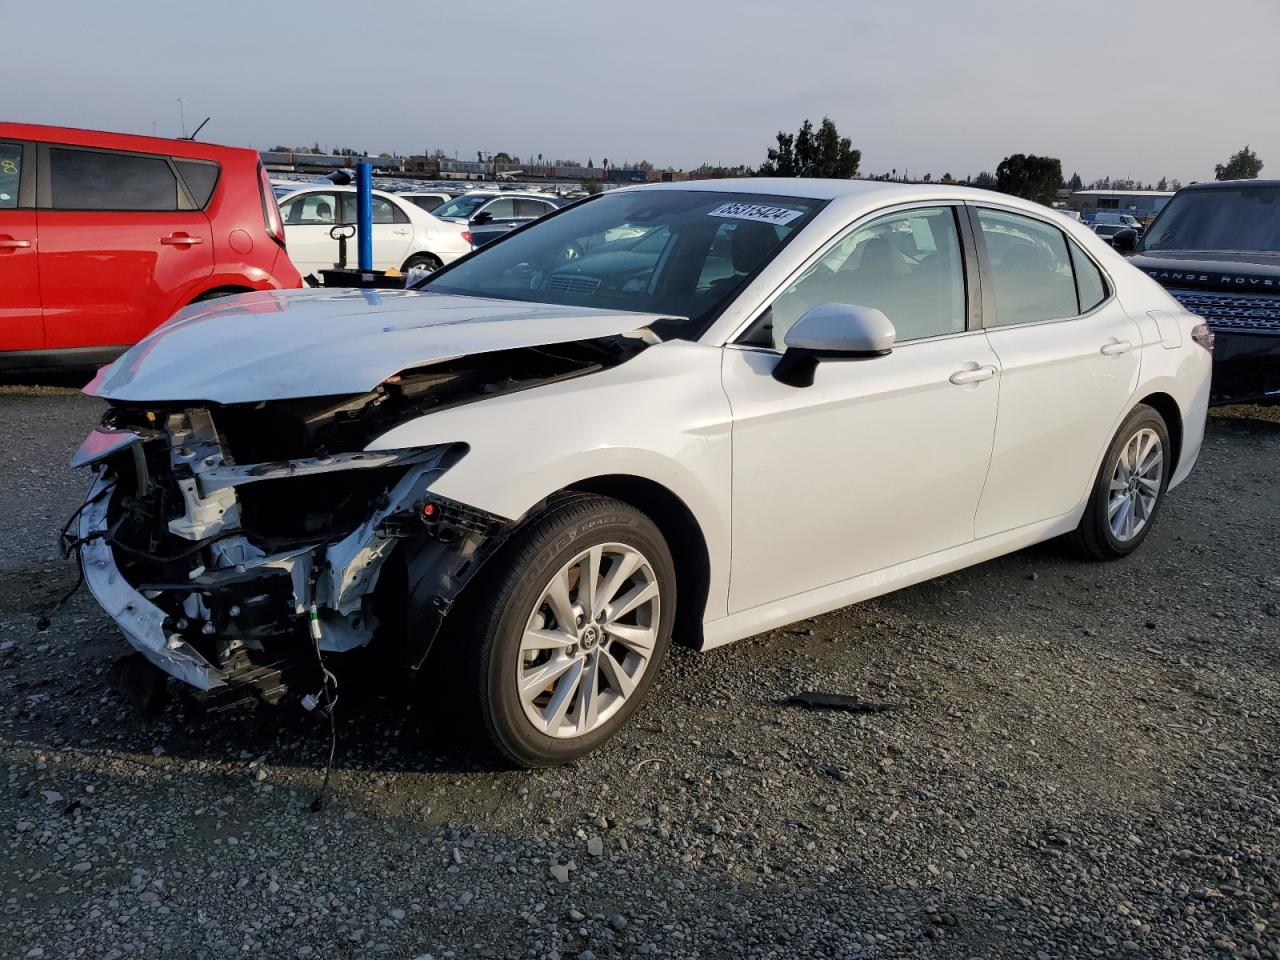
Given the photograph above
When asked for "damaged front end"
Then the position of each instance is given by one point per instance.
(224, 573)
(236, 544)
(226, 570)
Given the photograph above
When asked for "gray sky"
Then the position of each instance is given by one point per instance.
(1137, 88)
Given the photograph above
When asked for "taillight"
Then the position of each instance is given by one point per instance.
(466, 237)
(270, 209)
(1202, 334)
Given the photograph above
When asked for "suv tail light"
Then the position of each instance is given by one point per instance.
(1202, 334)
(270, 209)
(466, 237)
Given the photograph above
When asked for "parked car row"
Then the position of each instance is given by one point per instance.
(404, 235)
(104, 236)
(489, 214)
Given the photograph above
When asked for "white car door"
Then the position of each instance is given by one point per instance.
(1069, 361)
(392, 232)
(882, 460)
(308, 218)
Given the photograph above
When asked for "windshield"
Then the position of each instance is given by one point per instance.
(1219, 218)
(680, 253)
(462, 207)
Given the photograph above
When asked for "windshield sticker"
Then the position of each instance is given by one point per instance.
(755, 211)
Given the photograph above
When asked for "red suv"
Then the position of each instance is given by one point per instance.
(104, 235)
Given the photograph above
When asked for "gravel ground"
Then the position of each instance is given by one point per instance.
(1084, 762)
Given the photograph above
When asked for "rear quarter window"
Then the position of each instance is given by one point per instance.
(102, 180)
(200, 176)
(1090, 285)
(10, 174)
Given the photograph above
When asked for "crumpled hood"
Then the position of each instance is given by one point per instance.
(314, 342)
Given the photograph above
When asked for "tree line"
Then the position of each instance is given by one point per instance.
(825, 153)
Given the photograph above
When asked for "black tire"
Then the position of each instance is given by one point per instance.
(426, 260)
(1094, 538)
(501, 601)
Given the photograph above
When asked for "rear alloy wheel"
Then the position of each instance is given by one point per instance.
(1135, 485)
(565, 633)
(1129, 488)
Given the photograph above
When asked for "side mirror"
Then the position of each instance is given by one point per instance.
(484, 216)
(832, 331)
(1125, 241)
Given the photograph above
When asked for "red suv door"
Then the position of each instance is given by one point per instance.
(20, 324)
(121, 245)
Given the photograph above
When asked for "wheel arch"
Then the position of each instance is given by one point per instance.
(1168, 408)
(223, 290)
(683, 534)
(416, 254)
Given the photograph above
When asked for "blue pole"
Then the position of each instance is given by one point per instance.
(364, 214)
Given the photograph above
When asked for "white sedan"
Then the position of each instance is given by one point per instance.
(404, 235)
(701, 410)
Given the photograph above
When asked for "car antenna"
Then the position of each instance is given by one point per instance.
(198, 129)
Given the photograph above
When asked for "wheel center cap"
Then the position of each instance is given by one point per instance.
(590, 636)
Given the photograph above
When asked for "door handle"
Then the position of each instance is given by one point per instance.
(1115, 348)
(975, 375)
(402, 233)
(180, 240)
(8, 243)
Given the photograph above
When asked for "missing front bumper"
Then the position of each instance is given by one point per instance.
(234, 614)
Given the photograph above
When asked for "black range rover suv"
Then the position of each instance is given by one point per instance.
(1216, 247)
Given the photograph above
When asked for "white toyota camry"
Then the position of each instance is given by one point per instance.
(699, 410)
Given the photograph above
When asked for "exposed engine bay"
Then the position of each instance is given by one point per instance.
(236, 544)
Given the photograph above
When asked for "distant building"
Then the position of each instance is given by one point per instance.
(1140, 203)
(625, 175)
(466, 170)
(422, 164)
(579, 173)
(276, 161)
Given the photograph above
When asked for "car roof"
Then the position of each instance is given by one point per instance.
(491, 194)
(105, 139)
(815, 188)
(1229, 184)
(852, 198)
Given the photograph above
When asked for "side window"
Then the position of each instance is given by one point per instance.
(310, 209)
(907, 265)
(384, 211)
(1090, 286)
(200, 177)
(504, 209)
(1030, 269)
(101, 180)
(10, 174)
(531, 209)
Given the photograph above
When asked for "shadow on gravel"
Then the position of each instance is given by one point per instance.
(217, 828)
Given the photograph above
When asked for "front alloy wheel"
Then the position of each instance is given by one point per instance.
(589, 640)
(566, 628)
